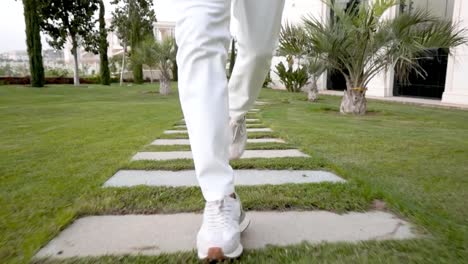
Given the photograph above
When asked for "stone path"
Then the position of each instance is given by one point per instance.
(129, 178)
(157, 234)
(248, 154)
(172, 142)
(252, 130)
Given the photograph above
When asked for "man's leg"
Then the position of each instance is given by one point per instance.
(259, 23)
(202, 34)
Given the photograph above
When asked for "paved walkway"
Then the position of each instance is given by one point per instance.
(405, 100)
(159, 234)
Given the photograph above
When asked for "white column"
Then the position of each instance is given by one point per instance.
(325, 18)
(382, 84)
(456, 85)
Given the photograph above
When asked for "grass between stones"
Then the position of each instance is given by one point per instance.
(250, 135)
(183, 127)
(256, 146)
(299, 163)
(163, 200)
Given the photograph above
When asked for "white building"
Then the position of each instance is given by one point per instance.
(447, 74)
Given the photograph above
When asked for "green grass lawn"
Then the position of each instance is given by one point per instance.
(60, 144)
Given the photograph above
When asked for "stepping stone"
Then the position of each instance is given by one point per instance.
(260, 103)
(252, 130)
(172, 155)
(129, 178)
(254, 110)
(169, 142)
(249, 120)
(158, 234)
(185, 127)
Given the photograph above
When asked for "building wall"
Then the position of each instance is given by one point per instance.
(294, 11)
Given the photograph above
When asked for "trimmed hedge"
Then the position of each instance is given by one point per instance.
(49, 80)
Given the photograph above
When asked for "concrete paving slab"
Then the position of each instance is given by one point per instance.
(130, 178)
(157, 234)
(252, 120)
(169, 142)
(184, 127)
(252, 130)
(172, 155)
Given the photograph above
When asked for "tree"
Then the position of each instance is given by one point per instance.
(64, 19)
(146, 53)
(33, 41)
(133, 21)
(360, 43)
(315, 68)
(158, 54)
(175, 67)
(103, 45)
(293, 43)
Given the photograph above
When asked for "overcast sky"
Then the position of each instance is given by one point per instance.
(12, 35)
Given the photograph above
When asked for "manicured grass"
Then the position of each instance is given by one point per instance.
(411, 251)
(257, 146)
(415, 157)
(250, 134)
(256, 125)
(336, 197)
(299, 163)
(60, 144)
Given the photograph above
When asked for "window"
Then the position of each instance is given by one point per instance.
(440, 8)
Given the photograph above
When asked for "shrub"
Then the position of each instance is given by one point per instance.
(267, 81)
(294, 80)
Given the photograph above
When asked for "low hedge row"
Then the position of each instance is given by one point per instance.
(51, 80)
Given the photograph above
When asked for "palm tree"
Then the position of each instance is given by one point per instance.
(158, 55)
(315, 67)
(360, 43)
(293, 42)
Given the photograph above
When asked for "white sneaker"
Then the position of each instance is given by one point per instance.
(219, 235)
(239, 138)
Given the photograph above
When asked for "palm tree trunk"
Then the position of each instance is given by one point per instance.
(354, 100)
(164, 86)
(313, 90)
(164, 83)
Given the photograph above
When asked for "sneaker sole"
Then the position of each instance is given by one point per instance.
(216, 254)
(244, 224)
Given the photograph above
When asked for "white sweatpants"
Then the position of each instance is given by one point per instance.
(208, 101)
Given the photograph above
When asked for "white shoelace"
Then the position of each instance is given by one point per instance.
(218, 214)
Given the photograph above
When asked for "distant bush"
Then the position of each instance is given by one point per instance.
(57, 72)
(267, 81)
(294, 80)
(50, 80)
